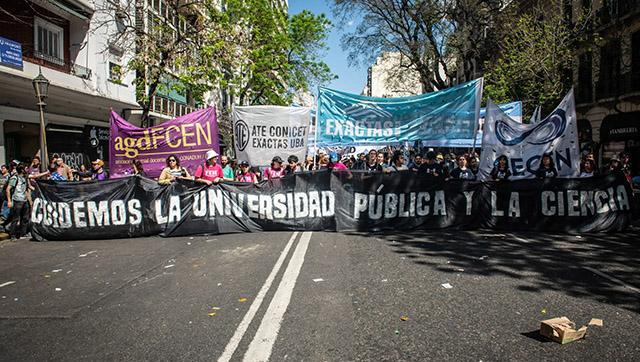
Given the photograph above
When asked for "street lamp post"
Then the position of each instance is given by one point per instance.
(41, 87)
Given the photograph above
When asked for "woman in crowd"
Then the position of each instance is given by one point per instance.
(462, 172)
(138, 169)
(381, 160)
(275, 170)
(547, 168)
(587, 168)
(83, 174)
(501, 170)
(245, 174)
(308, 164)
(210, 172)
(173, 171)
(4, 179)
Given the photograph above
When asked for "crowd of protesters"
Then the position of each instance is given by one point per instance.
(462, 166)
(17, 179)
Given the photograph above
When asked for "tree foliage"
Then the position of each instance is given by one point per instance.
(536, 57)
(442, 39)
(250, 48)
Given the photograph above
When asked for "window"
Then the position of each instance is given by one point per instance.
(49, 41)
(115, 73)
(635, 61)
(584, 91)
(610, 56)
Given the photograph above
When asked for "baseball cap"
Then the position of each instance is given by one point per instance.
(277, 159)
(211, 154)
(244, 163)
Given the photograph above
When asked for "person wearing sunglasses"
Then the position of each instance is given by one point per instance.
(173, 171)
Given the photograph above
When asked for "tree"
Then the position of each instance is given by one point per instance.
(435, 36)
(161, 40)
(276, 54)
(537, 56)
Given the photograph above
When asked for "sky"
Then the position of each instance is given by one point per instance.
(350, 79)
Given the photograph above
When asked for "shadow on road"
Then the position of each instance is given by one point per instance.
(538, 261)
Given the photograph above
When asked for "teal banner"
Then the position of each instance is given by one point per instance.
(345, 118)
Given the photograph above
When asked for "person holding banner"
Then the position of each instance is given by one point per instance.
(547, 169)
(588, 169)
(293, 166)
(210, 172)
(275, 170)
(173, 171)
(245, 174)
(501, 171)
(431, 167)
(462, 172)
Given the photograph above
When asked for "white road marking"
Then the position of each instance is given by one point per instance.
(85, 254)
(253, 309)
(613, 279)
(262, 344)
(7, 283)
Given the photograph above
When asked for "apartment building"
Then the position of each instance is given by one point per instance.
(390, 76)
(59, 39)
(607, 77)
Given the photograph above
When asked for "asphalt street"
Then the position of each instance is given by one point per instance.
(318, 296)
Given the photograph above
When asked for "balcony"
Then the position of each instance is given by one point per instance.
(169, 107)
(613, 11)
(33, 56)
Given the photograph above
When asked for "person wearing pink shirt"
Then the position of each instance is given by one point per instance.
(210, 172)
(276, 170)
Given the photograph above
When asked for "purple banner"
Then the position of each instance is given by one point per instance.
(188, 137)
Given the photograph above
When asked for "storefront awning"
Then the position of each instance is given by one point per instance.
(620, 127)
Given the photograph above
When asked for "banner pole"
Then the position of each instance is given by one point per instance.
(478, 101)
(315, 133)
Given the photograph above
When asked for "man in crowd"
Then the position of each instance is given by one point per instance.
(227, 170)
(397, 163)
(293, 166)
(431, 167)
(19, 203)
(414, 165)
(99, 173)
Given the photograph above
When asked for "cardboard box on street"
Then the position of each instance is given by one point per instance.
(561, 330)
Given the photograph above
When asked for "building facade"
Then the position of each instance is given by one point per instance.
(391, 76)
(60, 38)
(607, 77)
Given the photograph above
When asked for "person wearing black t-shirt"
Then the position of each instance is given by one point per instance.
(547, 169)
(501, 171)
(431, 167)
(462, 172)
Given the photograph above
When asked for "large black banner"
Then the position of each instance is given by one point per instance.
(342, 201)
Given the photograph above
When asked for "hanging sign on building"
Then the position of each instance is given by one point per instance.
(10, 53)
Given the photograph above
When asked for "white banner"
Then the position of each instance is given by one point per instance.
(263, 132)
(524, 144)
